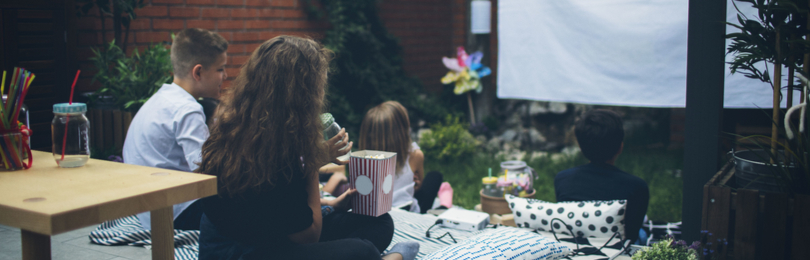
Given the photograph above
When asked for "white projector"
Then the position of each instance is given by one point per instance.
(464, 219)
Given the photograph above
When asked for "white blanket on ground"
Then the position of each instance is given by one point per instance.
(408, 226)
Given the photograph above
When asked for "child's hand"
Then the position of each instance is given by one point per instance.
(343, 202)
(337, 146)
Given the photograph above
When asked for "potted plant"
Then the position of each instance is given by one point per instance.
(777, 36)
(127, 82)
(130, 81)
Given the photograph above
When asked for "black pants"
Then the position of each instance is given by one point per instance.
(189, 219)
(343, 236)
(430, 188)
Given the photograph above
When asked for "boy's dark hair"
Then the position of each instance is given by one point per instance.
(195, 46)
(600, 134)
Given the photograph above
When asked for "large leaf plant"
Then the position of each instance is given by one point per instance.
(778, 36)
(129, 81)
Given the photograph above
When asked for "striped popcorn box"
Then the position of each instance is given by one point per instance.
(372, 174)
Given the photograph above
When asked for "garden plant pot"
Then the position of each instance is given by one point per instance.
(755, 173)
(498, 205)
(753, 224)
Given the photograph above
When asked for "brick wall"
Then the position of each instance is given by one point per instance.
(427, 29)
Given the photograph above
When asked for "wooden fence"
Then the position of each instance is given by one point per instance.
(755, 225)
(108, 128)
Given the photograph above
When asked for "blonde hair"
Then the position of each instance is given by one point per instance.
(386, 127)
(267, 128)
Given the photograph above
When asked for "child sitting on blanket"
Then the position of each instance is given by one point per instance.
(386, 127)
(170, 128)
(600, 135)
(265, 148)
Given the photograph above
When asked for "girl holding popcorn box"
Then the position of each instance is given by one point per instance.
(265, 148)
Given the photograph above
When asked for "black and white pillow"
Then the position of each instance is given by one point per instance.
(585, 218)
(504, 243)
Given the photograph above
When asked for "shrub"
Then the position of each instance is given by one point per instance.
(668, 249)
(130, 81)
(367, 68)
(448, 141)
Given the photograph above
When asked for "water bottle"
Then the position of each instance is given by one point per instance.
(331, 129)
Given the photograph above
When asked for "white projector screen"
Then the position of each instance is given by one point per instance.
(608, 52)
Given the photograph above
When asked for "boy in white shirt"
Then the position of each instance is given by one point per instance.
(169, 130)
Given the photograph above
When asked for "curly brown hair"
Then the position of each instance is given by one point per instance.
(386, 127)
(267, 129)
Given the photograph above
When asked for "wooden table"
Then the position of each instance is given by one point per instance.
(47, 200)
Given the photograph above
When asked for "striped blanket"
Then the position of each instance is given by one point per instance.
(128, 231)
(409, 226)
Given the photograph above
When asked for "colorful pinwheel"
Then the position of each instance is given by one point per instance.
(466, 71)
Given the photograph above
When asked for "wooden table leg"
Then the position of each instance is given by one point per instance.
(162, 234)
(35, 246)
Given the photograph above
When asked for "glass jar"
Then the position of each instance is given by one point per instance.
(70, 133)
(331, 129)
(14, 155)
(24, 118)
(490, 187)
(519, 174)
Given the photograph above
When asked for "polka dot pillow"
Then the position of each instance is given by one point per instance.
(504, 243)
(585, 218)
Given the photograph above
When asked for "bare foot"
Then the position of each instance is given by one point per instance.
(392, 256)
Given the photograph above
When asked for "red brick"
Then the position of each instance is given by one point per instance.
(238, 60)
(257, 2)
(269, 35)
(257, 24)
(249, 48)
(152, 37)
(282, 13)
(167, 1)
(227, 35)
(285, 24)
(246, 36)
(152, 11)
(107, 37)
(245, 13)
(230, 24)
(226, 84)
(141, 24)
(168, 24)
(177, 11)
(214, 13)
(283, 3)
(201, 2)
(232, 72)
(236, 49)
(131, 49)
(205, 24)
(231, 2)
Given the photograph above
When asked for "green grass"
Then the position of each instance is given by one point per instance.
(653, 166)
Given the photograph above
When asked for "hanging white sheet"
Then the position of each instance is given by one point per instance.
(610, 52)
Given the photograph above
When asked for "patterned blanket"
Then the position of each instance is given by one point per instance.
(409, 226)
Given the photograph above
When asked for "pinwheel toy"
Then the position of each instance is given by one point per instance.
(466, 71)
